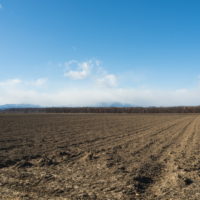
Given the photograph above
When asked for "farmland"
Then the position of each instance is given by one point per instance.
(100, 156)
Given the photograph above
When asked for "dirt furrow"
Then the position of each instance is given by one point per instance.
(175, 181)
(96, 157)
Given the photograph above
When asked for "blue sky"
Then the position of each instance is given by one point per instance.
(80, 53)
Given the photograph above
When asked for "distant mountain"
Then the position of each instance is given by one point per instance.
(9, 106)
(116, 105)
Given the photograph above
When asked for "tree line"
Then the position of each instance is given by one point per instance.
(178, 109)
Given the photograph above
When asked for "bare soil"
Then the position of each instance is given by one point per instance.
(100, 156)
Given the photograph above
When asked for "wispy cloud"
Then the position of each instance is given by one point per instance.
(38, 82)
(109, 80)
(10, 82)
(78, 70)
(16, 83)
(1, 6)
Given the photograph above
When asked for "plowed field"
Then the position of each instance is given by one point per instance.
(100, 156)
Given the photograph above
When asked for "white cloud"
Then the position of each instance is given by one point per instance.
(1, 6)
(93, 69)
(82, 69)
(109, 80)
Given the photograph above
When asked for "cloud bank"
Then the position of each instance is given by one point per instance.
(14, 91)
(101, 87)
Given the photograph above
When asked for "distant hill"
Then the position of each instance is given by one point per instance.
(9, 106)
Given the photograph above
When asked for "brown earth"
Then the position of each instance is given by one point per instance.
(100, 156)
